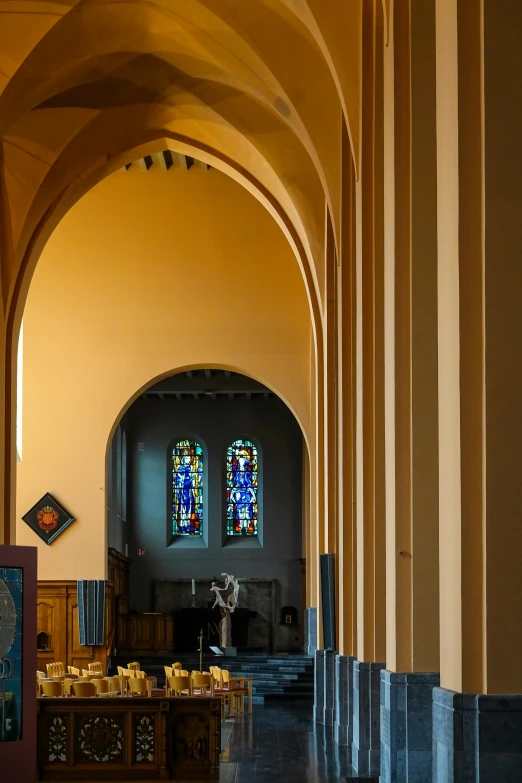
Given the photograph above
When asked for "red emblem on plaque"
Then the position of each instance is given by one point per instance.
(47, 518)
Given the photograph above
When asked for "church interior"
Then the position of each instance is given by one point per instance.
(260, 507)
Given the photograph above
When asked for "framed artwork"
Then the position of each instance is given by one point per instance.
(48, 518)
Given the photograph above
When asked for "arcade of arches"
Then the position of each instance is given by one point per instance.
(327, 201)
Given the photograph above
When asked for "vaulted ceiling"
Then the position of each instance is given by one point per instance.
(260, 88)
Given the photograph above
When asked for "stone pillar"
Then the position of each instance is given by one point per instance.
(412, 578)
(324, 687)
(346, 562)
(366, 718)
(343, 724)
(476, 738)
(406, 726)
(311, 630)
(369, 423)
(479, 126)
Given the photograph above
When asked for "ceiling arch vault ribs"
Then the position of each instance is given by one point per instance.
(231, 69)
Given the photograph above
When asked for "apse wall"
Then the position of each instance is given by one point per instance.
(152, 427)
(149, 273)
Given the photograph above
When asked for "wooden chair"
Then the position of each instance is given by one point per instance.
(181, 673)
(138, 687)
(39, 684)
(121, 684)
(169, 672)
(236, 694)
(195, 671)
(178, 686)
(102, 686)
(67, 686)
(96, 667)
(177, 665)
(51, 688)
(216, 674)
(74, 670)
(202, 685)
(134, 666)
(83, 690)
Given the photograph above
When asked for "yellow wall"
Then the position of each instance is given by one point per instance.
(150, 272)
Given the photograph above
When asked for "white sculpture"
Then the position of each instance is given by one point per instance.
(226, 608)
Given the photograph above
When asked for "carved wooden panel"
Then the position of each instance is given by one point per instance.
(128, 739)
(57, 739)
(144, 738)
(101, 739)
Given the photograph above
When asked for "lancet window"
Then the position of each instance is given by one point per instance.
(242, 488)
(187, 489)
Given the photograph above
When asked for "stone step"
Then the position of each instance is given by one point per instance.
(281, 677)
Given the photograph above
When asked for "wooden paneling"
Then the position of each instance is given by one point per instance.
(151, 633)
(57, 616)
(119, 576)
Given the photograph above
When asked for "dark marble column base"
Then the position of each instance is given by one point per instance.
(343, 723)
(476, 738)
(406, 726)
(319, 687)
(311, 630)
(366, 718)
(324, 691)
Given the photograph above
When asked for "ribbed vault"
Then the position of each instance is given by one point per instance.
(81, 83)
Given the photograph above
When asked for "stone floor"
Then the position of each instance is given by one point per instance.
(281, 744)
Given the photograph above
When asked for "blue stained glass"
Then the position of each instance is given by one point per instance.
(10, 653)
(187, 489)
(242, 488)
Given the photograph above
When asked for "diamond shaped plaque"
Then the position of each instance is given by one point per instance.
(48, 518)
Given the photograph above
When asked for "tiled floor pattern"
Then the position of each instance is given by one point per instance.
(281, 744)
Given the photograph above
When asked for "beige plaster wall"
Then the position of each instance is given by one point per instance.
(149, 273)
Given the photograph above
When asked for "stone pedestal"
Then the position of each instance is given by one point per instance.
(324, 689)
(343, 724)
(366, 718)
(311, 630)
(476, 738)
(406, 726)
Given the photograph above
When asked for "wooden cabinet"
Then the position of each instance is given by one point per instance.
(151, 633)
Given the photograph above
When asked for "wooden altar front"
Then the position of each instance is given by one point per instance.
(128, 738)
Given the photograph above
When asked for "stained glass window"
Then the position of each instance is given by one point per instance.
(242, 488)
(187, 489)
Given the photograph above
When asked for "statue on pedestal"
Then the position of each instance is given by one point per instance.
(225, 626)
